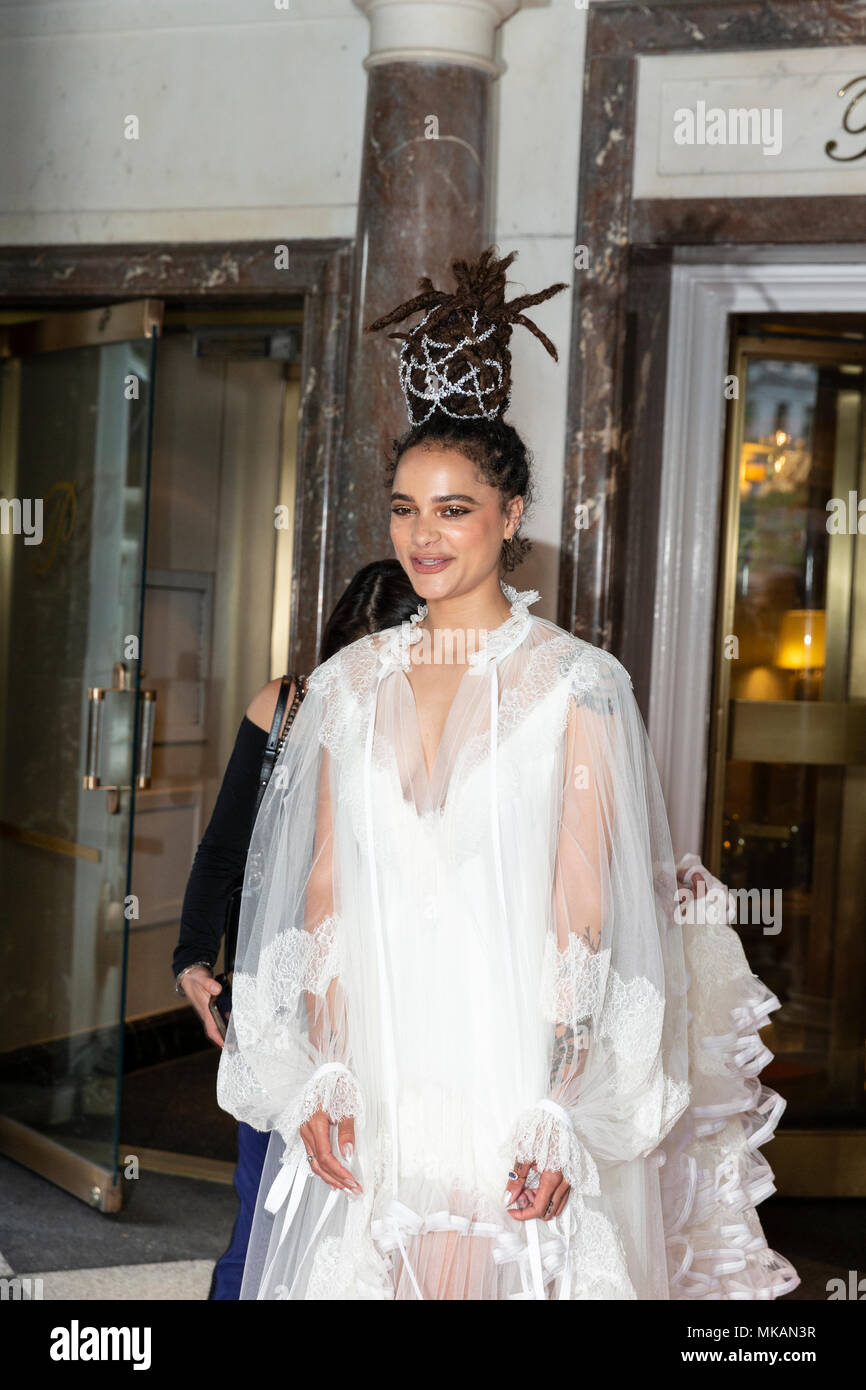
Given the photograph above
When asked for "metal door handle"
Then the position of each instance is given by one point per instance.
(96, 704)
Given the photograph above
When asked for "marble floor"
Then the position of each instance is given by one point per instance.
(162, 1245)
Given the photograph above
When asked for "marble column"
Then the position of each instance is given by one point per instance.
(424, 200)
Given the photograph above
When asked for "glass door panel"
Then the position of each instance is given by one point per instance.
(787, 797)
(76, 395)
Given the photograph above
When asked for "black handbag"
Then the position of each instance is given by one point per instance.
(273, 748)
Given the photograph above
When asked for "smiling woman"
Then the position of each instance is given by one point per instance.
(452, 523)
(460, 1002)
(424, 969)
(460, 490)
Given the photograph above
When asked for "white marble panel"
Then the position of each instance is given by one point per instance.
(537, 110)
(249, 123)
(537, 150)
(806, 94)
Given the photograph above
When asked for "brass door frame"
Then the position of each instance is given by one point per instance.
(59, 331)
(63, 329)
(808, 1162)
(70, 1171)
(281, 639)
(111, 323)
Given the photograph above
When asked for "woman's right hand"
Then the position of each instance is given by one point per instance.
(199, 986)
(316, 1137)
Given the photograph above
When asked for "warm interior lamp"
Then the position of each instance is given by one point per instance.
(801, 642)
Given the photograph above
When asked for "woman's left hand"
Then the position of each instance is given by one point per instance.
(539, 1203)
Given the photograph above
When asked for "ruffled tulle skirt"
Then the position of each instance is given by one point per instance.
(714, 1175)
(678, 1224)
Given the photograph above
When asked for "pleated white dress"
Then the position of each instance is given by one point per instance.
(486, 963)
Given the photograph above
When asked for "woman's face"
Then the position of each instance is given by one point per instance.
(443, 511)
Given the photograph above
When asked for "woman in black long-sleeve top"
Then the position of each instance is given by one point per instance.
(220, 859)
(379, 596)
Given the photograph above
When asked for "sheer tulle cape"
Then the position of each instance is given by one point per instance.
(477, 964)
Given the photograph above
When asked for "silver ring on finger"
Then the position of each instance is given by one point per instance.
(310, 1158)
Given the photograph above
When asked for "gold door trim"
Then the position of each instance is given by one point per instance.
(52, 843)
(831, 733)
(89, 1181)
(725, 607)
(801, 349)
(820, 1162)
(114, 323)
(180, 1165)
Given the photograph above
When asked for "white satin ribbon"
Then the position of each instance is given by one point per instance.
(554, 1108)
(495, 829)
(535, 1259)
(691, 1167)
(327, 1067)
(565, 1281)
(494, 788)
(533, 1249)
(387, 1231)
(685, 1244)
(399, 1221)
(288, 1187)
(387, 1030)
(538, 1259)
(771, 1107)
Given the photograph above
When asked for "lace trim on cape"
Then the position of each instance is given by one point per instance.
(293, 963)
(548, 1141)
(561, 665)
(581, 989)
(335, 1091)
(395, 649)
(580, 986)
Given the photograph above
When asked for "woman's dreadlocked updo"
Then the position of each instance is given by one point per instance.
(458, 361)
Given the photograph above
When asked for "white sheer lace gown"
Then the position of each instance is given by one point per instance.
(482, 963)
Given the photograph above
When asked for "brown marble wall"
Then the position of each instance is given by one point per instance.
(748, 221)
(594, 459)
(619, 324)
(643, 409)
(422, 203)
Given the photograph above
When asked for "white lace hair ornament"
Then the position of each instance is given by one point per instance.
(457, 359)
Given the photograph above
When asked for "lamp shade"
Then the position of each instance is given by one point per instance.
(800, 645)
